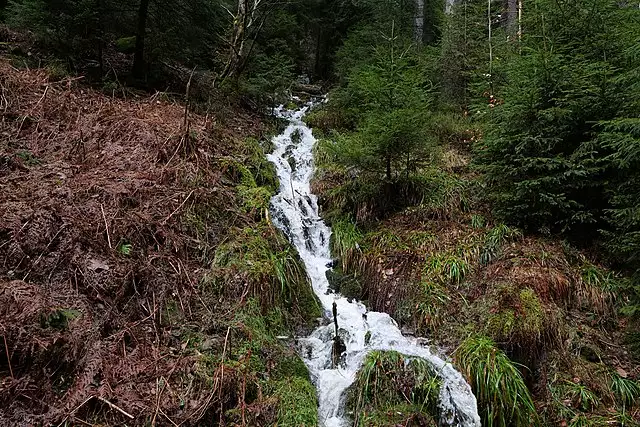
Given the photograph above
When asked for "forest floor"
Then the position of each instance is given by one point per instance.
(444, 269)
(137, 263)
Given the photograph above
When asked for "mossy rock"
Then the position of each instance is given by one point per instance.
(345, 284)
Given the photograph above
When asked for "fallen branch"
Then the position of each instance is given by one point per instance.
(178, 208)
(117, 408)
(106, 226)
(6, 350)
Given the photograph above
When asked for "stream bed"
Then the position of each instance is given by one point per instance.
(294, 209)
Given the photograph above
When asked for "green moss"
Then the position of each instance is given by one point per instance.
(396, 415)
(291, 366)
(125, 44)
(517, 317)
(346, 284)
(59, 318)
(297, 402)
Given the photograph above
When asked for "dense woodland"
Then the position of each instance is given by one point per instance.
(486, 152)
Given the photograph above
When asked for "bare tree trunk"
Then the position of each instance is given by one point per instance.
(512, 17)
(247, 24)
(418, 30)
(138, 58)
(519, 20)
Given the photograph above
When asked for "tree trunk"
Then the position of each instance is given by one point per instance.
(448, 6)
(388, 159)
(138, 58)
(512, 18)
(418, 29)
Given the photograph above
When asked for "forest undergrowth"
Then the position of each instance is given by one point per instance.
(141, 282)
(531, 321)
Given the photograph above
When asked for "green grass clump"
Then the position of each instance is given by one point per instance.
(345, 241)
(625, 390)
(503, 397)
(432, 301)
(391, 383)
(494, 240)
(580, 395)
(447, 268)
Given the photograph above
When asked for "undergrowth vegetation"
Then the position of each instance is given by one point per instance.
(391, 388)
(527, 314)
(503, 397)
(139, 270)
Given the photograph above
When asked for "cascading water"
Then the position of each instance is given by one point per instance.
(295, 211)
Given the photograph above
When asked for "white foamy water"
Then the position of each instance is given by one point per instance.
(295, 211)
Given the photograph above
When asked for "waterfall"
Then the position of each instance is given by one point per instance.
(295, 211)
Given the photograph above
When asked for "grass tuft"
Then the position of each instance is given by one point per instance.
(345, 238)
(503, 397)
(390, 382)
(447, 268)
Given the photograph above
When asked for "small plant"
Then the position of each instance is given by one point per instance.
(625, 390)
(448, 268)
(125, 248)
(478, 221)
(581, 396)
(503, 397)
(494, 240)
(433, 300)
(59, 319)
(28, 158)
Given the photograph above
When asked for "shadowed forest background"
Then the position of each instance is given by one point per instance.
(478, 162)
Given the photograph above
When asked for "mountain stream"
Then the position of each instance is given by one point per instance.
(295, 211)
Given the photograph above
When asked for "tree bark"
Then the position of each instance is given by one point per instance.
(418, 29)
(512, 17)
(138, 58)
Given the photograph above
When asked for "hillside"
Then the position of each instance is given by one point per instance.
(532, 321)
(137, 274)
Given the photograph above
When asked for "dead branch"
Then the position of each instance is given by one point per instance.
(117, 408)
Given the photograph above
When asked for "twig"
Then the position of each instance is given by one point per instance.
(67, 80)
(6, 350)
(167, 417)
(106, 226)
(46, 89)
(159, 391)
(186, 103)
(224, 353)
(74, 410)
(117, 408)
(178, 208)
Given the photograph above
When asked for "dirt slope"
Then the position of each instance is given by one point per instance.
(110, 214)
